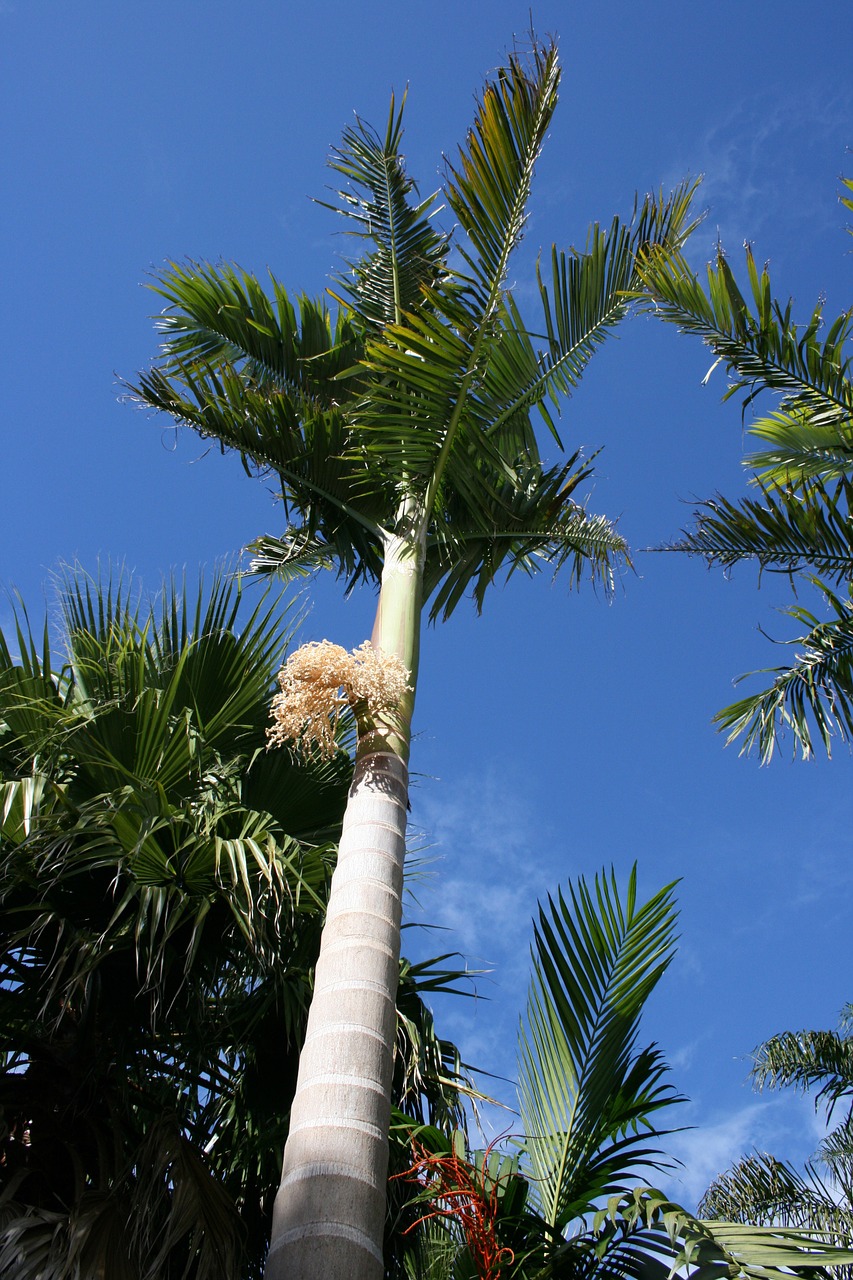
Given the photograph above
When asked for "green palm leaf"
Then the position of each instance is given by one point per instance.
(762, 346)
(801, 522)
(764, 1191)
(408, 257)
(222, 314)
(489, 186)
(811, 696)
(803, 1059)
(587, 1094)
(713, 1250)
(535, 524)
(784, 532)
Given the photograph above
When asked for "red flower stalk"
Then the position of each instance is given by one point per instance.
(461, 1191)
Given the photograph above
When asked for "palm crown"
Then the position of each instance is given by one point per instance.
(408, 412)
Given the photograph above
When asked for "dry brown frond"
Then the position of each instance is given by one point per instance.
(319, 680)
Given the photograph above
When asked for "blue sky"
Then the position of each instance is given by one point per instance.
(559, 732)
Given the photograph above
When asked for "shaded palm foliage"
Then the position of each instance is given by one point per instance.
(163, 880)
(801, 521)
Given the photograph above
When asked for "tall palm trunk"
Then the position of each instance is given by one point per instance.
(329, 1212)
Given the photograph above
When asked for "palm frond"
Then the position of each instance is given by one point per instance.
(785, 532)
(294, 555)
(489, 186)
(811, 696)
(432, 1083)
(409, 257)
(803, 1059)
(763, 1191)
(763, 346)
(221, 315)
(713, 1250)
(800, 447)
(587, 1096)
(425, 369)
(590, 291)
(340, 497)
(534, 524)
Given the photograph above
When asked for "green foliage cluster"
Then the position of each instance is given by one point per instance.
(801, 522)
(163, 881)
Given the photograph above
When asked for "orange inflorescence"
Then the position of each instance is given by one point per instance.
(460, 1191)
(319, 680)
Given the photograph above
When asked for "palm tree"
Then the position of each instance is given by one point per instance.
(762, 1189)
(163, 880)
(801, 522)
(401, 433)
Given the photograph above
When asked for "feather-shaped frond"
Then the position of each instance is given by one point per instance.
(588, 1097)
(809, 529)
(714, 1250)
(223, 315)
(811, 696)
(805, 1059)
(408, 257)
(763, 1191)
(762, 345)
(489, 186)
(532, 523)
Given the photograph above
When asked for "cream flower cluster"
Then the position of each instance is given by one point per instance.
(319, 680)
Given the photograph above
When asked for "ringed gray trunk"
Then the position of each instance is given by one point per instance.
(329, 1214)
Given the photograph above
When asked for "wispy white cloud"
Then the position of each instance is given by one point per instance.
(764, 147)
(786, 1126)
(487, 877)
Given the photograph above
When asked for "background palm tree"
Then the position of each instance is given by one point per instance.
(801, 521)
(402, 436)
(163, 881)
(765, 1190)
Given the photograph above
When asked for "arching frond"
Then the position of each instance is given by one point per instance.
(713, 1250)
(588, 1096)
(761, 344)
(408, 256)
(764, 1191)
(786, 532)
(811, 696)
(223, 315)
(804, 1059)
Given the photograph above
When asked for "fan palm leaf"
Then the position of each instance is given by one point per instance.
(163, 884)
